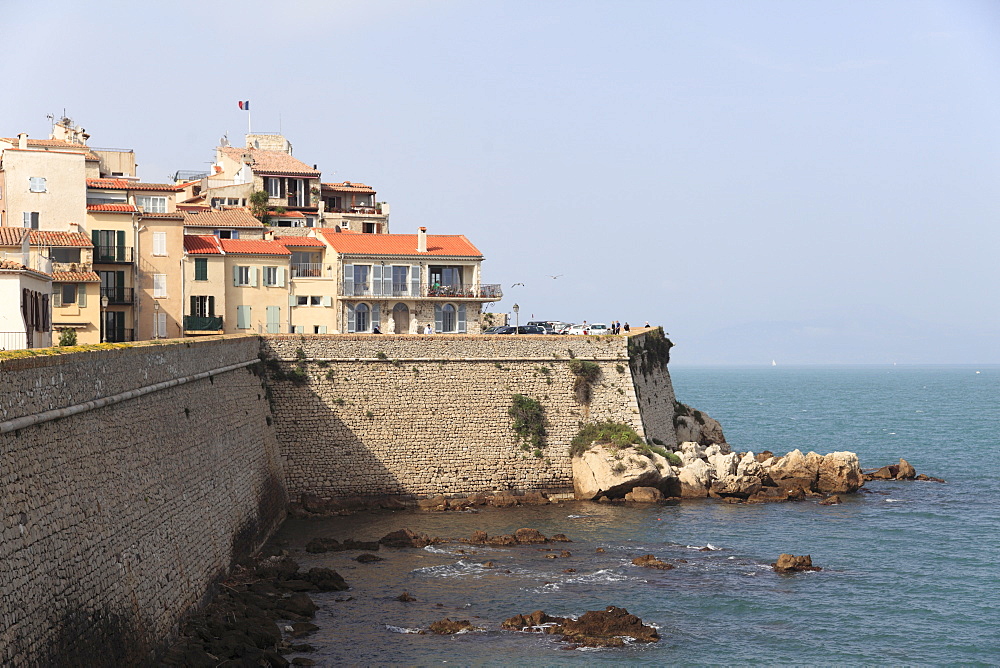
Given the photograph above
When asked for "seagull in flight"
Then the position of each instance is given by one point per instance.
(553, 277)
(517, 284)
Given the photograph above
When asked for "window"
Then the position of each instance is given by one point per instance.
(370, 228)
(227, 234)
(361, 312)
(319, 329)
(159, 285)
(159, 325)
(272, 276)
(273, 186)
(37, 184)
(245, 276)
(301, 301)
(361, 272)
(152, 204)
(30, 219)
(159, 243)
(68, 293)
(242, 317)
(316, 300)
(332, 203)
(201, 269)
(203, 306)
(399, 278)
(64, 254)
(448, 318)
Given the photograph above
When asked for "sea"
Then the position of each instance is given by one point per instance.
(909, 577)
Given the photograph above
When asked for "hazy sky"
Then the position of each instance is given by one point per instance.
(811, 182)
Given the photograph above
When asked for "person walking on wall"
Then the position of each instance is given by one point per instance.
(626, 328)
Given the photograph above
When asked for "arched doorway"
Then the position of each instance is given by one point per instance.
(401, 319)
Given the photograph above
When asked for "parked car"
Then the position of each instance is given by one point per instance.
(599, 328)
(523, 329)
(492, 330)
(579, 329)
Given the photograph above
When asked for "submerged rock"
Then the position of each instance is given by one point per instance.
(406, 538)
(599, 628)
(448, 627)
(644, 495)
(649, 561)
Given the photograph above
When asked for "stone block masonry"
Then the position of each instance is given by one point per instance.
(408, 416)
(117, 517)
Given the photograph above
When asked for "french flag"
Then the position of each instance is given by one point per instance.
(245, 105)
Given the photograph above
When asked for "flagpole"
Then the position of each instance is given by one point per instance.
(248, 121)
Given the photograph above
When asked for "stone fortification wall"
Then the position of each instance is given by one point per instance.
(117, 515)
(654, 391)
(368, 415)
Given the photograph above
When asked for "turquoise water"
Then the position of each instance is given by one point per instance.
(909, 572)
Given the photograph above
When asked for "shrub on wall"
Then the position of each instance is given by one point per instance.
(529, 421)
(586, 374)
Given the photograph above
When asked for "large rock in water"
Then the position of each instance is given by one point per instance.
(705, 431)
(738, 486)
(795, 470)
(839, 472)
(597, 472)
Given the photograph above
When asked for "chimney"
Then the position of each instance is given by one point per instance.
(22, 140)
(422, 240)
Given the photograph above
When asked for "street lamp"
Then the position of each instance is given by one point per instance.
(517, 319)
(104, 310)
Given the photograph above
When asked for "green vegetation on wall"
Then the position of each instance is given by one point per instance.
(586, 374)
(653, 354)
(529, 422)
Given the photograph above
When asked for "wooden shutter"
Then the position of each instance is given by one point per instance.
(461, 318)
(120, 245)
(327, 300)
(322, 329)
(281, 277)
(349, 280)
(242, 317)
(57, 296)
(273, 319)
(415, 280)
(350, 318)
(387, 281)
(376, 322)
(159, 285)
(253, 277)
(377, 279)
(194, 306)
(211, 306)
(161, 325)
(236, 275)
(81, 295)
(438, 318)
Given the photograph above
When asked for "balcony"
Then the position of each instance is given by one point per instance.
(484, 291)
(197, 325)
(307, 270)
(118, 295)
(112, 255)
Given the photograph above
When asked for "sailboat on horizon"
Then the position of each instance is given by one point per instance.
(773, 363)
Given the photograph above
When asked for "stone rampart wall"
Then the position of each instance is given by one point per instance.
(369, 415)
(116, 519)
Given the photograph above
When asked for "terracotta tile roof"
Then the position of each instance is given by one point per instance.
(112, 208)
(202, 244)
(47, 238)
(347, 186)
(125, 184)
(270, 162)
(176, 215)
(11, 265)
(253, 247)
(300, 241)
(55, 143)
(289, 214)
(12, 236)
(399, 244)
(75, 277)
(221, 218)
